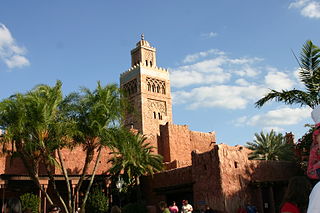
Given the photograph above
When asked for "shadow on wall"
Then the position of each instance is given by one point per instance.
(261, 184)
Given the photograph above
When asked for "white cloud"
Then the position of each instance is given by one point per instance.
(247, 70)
(298, 3)
(242, 82)
(278, 80)
(226, 82)
(308, 8)
(193, 57)
(312, 10)
(204, 72)
(209, 35)
(10, 53)
(245, 60)
(16, 61)
(274, 128)
(215, 70)
(222, 96)
(275, 118)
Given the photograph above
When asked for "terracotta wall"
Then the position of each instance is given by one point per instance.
(207, 180)
(223, 178)
(154, 186)
(177, 142)
(12, 166)
(236, 175)
(74, 160)
(202, 141)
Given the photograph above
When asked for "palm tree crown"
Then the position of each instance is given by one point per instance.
(309, 75)
(132, 154)
(270, 146)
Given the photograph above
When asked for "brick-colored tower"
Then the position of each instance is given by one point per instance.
(148, 87)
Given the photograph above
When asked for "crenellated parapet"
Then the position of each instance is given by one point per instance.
(142, 65)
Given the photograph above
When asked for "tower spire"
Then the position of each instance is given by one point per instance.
(143, 53)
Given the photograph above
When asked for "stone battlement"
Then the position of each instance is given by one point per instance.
(160, 69)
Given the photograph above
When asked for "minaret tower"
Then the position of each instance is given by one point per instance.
(148, 88)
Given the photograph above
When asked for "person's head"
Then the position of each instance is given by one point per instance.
(115, 209)
(298, 191)
(207, 207)
(54, 209)
(174, 203)
(162, 205)
(185, 202)
(13, 206)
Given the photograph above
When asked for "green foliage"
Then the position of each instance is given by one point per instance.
(135, 208)
(41, 121)
(30, 202)
(97, 201)
(309, 75)
(133, 155)
(303, 148)
(270, 146)
(304, 143)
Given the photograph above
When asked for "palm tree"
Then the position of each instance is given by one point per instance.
(270, 146)
(309, 75)
(133, 156)
(96, 113)
(41, 123)
(34, 127)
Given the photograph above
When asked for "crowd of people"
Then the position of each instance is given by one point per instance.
(185, 208)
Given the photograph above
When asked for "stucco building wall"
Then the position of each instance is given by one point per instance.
(74, 161)
(225, 179)
(178, 141)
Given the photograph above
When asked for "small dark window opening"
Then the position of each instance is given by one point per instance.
(150, 63)
(154, 115)
(146, 62)
(235, 164)
(149, 87)
(160, 116)
(163, 90)
(158, 89)
(153, 88)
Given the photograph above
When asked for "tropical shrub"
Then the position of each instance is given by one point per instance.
(97, 201)
(30, 202)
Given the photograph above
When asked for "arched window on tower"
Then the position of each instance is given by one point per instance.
(149, 86)
(163, 89)
(158, 89)
(153, 88)
(160, 116)
(135, 88)
(150, 63)
(146, 62)
(154, 115)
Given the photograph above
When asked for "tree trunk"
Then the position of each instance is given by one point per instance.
(34, 176)
(65, 174)
(91, 180)
(139, 196)
(48, 169)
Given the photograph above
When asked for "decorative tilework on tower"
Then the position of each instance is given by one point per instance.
(148, 87)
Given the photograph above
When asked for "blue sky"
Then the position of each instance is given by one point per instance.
(222, 55)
